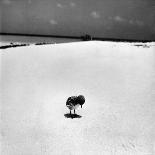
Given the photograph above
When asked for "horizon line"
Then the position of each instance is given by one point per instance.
(82, 37)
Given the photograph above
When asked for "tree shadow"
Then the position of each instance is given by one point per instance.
(68, 115)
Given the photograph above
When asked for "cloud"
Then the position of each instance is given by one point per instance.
(6, 2)
(59, 5)
(119, 19)
(131, 22)
(29, 1)
(72, 4)
(136, 22)
(139, 23)
(53, 22)
(95, 14)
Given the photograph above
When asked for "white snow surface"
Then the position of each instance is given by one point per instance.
(117, 80)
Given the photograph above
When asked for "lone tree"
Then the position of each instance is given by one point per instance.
(86, 37)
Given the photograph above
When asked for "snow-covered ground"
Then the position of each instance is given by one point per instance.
(117, 80)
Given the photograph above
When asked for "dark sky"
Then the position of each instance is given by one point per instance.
(124, 19)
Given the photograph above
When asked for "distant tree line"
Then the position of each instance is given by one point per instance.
(86, 37)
